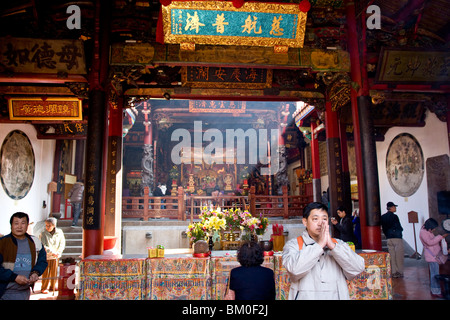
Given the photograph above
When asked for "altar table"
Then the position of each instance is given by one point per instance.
(181, 276)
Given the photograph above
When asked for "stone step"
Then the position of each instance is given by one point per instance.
(74, 236)
(74, 242)
(73, 249)
(74, 239)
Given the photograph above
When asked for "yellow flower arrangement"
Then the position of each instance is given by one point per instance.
(215, 223)
(217, 219)
(197, 231)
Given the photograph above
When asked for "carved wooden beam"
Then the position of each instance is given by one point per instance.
(317, 60)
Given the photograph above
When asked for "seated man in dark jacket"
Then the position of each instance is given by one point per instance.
(22, 260)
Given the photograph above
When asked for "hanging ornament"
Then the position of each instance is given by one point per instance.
(238, 3)
(304, 6)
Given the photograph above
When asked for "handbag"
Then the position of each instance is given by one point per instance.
(444, 247)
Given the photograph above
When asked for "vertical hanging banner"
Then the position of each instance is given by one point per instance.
(220, 23)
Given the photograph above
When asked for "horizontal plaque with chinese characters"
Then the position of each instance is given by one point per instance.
(42, 56)
(219, 77)
(48, 109)
(413, 66)
(217, 106)
(220, 23)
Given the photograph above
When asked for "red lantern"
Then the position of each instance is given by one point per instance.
(238, 3)
(304, 6)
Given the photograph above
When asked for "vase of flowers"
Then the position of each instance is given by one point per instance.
(196, 232)
(261, 227)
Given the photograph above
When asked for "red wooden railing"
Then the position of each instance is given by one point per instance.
(179, 206)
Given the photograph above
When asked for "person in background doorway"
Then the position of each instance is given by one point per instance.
(433, 252)
(22, 260)
(251, 281)
(76, 198)
(392, 229)
(157, 192)
(344, 226)
(54, 243)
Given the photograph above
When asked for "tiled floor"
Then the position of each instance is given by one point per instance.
(37, 295)
(415, 285)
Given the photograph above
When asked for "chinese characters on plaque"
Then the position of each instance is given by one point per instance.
(48, 109)
(217, 106)
(114, 150)
(42, 56)
(219, 77)
(408, 66)
(255, 23)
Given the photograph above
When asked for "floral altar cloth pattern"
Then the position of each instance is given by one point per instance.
(112, 279)
(188, 278)
(178, 279)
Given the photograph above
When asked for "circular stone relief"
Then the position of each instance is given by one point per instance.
(17, 165)
(405, 164)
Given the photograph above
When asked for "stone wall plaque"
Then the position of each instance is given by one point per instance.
(405, 164)
(17, 165)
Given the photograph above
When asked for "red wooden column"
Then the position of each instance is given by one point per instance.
(94, 195)
(315, 157)
(365, 150)
(148, 136)
(113, 201)
(334, 159)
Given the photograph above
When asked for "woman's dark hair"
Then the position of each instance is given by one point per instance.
(313, 205)
(250, 254)
(19, 215)
(430, 224)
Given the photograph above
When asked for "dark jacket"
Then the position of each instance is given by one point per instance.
(8, 253)
(157, 192)
(391, 226)
(253, 283)
(345, 228)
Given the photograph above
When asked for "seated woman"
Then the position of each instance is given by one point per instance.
(251, 281)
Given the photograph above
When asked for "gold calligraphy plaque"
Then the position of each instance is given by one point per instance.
(48, 109)
(220, 23)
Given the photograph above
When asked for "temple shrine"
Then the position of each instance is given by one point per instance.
(245, 105)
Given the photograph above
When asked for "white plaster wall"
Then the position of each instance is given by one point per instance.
(32, 203)
(136, 242)
(433, 140)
